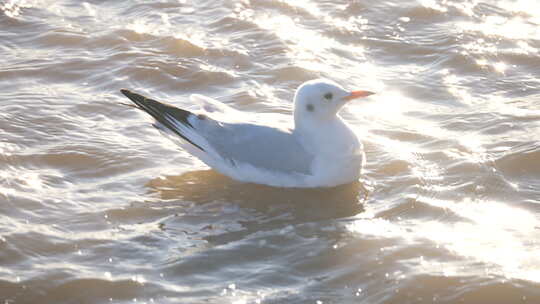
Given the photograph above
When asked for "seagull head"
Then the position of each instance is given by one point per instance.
(321, 99)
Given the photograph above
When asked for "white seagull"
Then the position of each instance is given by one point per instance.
(320, 151)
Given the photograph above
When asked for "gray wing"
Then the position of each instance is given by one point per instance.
(260, 146)
(257, 145)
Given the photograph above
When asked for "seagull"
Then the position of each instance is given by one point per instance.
(321, 150)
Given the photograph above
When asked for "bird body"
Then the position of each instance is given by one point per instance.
(320, 151)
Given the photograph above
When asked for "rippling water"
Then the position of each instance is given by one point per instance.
(95, 206)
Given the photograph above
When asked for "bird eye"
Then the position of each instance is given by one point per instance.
(328, 96)
(310, 107)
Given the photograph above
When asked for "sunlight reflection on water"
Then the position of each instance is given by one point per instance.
(96, 199)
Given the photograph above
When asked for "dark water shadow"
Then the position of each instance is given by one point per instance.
(206, 186)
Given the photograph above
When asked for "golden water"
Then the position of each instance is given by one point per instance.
(97, 207)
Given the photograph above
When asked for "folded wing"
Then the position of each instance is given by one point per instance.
(236, 144)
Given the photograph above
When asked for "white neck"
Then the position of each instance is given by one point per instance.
(330, 136)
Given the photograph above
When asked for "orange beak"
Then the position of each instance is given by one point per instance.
(358, 94)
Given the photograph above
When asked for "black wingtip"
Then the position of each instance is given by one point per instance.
(125, 91)
(139, 100)
(130, 94)
(158, 110)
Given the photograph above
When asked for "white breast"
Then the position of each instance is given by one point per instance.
(338, 154)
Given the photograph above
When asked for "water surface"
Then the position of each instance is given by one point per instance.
(97, 207)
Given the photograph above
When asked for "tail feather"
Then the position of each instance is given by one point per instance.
(161, 113)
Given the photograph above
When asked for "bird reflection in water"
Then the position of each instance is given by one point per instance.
(304, 204)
